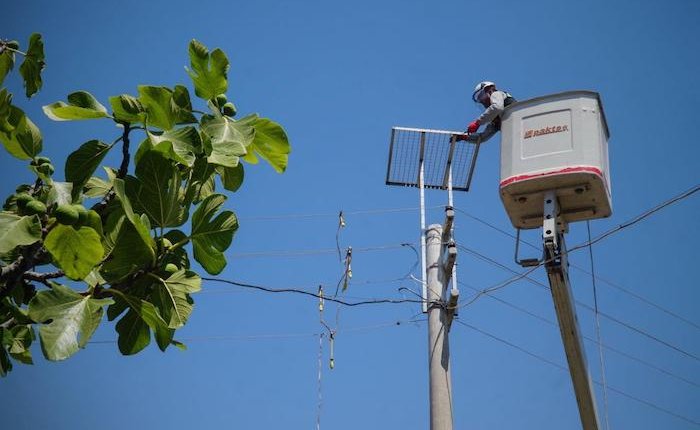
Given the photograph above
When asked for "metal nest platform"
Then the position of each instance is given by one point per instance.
(440, 155)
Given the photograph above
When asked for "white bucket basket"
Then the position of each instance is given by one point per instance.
(556, 142)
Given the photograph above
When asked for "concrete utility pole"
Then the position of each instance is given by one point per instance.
(440, 261)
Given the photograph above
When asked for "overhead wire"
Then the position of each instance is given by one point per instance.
(525, 275)
(565, 369)
(606, 281)
(589, 339)
(597, 332)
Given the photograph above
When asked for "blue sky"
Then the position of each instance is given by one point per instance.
(337, 76)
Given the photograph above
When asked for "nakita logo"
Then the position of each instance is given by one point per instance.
(545, 130)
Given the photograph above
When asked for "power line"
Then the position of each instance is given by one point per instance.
(597, 332)
(608, 282)
(524, 275)
(333, 214)
(565, 369)
(312, 252)
(591, 340)
(312, 294)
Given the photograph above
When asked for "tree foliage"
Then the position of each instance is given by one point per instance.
(118, 241)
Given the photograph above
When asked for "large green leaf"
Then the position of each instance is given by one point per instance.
(172, 296)
(81, 105)
(81, 164)
(148, 313)
(5, 109)
(185, 142)
(158, 102)
(201, 183)
(182, 106)
(211, 237)
(96, 187)
(127, 239)
(21, 338)
(156, 190)
(134, 334)
(226, 139)
(73, 319)
(7, 61)
(20, 136)
(75, 251)
(33, 64)
(127, 108)
(231, 177)
(18, 231)
(208, 72)
(270, 143)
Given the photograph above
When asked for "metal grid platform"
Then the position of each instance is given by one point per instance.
(437, 150)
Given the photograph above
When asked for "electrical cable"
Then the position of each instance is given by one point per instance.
(605, 281)
(328, 214)
(524, 275)
(597, 332)
(591, 340)
(565, 369)
(309, 293)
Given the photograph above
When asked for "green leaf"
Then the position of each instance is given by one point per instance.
(185, 143)
(7, 62)
(128, 240)
(75, 251)
(23, 140)
(231, 177)
(127, 108)
(81, 105)
(270, 143)
(5, 108)
(157, 190)
(149, 314)
(182, 106)
(201, 182)
(81, 164)
(18, 231)
(129, 254)
(208, 71)
(159, 105)
(172, 296)
(211, 237)
(96, 187)
(226, 139)
(60, 193)
(73, 319)
(21, 339)
(134, 334)
(5, 363)
(179, 256)
(33, 64)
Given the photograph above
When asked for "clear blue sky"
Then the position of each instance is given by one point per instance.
(337, 75)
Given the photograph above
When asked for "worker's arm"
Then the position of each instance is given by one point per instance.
(495, 109)
(485, 135)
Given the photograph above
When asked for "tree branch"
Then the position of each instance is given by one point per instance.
(124, 168)
(12, 274)
(43, 277)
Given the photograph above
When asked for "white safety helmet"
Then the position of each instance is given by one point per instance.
(480, 88)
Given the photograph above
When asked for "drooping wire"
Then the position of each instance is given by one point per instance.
(597, 331)
(565, 369)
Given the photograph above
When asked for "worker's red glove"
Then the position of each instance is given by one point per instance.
(473, 127)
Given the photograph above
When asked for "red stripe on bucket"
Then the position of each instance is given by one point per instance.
(578, 169)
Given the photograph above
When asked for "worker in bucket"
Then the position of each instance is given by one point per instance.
(495, 101)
